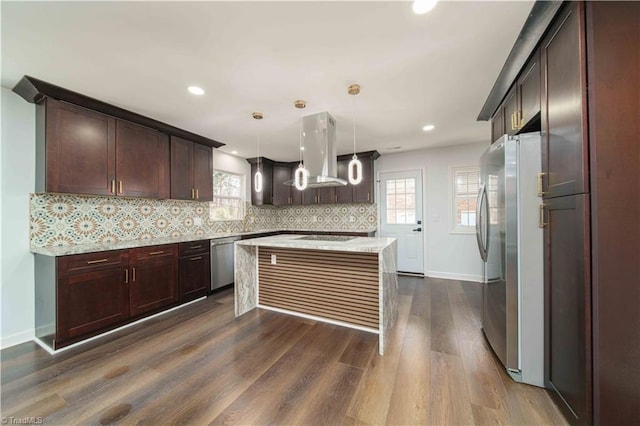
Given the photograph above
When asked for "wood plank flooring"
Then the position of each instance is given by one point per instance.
(200, 365)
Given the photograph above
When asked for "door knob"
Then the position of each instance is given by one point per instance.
(417, 229)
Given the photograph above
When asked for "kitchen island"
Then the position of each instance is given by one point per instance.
(349, 281)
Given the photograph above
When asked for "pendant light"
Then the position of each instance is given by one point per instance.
(301, 175)
(354, 169)
(257, 178)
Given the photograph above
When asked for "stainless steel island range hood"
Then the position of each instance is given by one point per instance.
(320, 151)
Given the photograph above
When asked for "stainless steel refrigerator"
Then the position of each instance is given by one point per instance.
(510, 243)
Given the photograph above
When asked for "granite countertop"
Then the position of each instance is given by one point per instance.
(120, 245)
(357, 244)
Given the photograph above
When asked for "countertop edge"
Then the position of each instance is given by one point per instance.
(70, 250)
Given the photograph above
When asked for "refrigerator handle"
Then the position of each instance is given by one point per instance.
(482, 194)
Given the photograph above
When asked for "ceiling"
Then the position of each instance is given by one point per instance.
(414, 70)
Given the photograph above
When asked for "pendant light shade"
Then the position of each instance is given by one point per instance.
(301, 175)
(257, 178)
(354, 169)
(301, 178)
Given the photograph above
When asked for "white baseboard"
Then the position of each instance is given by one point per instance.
(454, 276)
(16, 339)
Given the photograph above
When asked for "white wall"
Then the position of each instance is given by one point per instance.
(447, 255)
(232, 164)
(18, 180)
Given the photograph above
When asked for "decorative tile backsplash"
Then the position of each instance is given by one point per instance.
(60, 219)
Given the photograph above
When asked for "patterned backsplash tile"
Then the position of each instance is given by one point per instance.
(61, 219)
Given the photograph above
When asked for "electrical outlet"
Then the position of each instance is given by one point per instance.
(197, 221)
(352, 218)
(314, 218)
(273, 259)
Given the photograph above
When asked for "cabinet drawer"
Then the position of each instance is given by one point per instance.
(142, 254)
(194, 247)
(80, 263)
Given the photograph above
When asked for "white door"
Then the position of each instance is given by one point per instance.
(401, 217)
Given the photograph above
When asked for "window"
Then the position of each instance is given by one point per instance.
(401, 201)
(228, 196)
(464, 195)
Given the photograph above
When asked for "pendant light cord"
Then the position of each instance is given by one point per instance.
(354, 125)
(300, 139)
(258, 143)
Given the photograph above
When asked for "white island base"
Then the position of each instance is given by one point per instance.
(350, 283)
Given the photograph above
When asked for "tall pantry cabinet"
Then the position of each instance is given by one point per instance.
(589, 56)
(590, 115)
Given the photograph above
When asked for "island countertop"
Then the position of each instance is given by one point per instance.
(355, 244)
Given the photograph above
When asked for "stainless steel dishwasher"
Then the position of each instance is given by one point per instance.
(222, 261)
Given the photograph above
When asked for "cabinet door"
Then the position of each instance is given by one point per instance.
(510, 112)
(564, 153)
(309, 196)
(91, 301)
(497, 124)
(195, 277)
(326, 195)
(567, 306)
(154, 277)
(344, 194)
(363, 192)
(529, 90)
(154, 285)
(80, 150)
(142, 161)
(281, 192)
(203, 172)
(296, 195)
(181, 169)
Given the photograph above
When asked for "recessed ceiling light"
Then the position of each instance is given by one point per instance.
(423, 6)
(234, 152)
(428, 127)
(196, 90)
(302, 148)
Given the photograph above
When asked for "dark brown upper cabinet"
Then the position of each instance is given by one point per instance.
(281, 192)
(511, 112)
(264, 197)
(142, 161)
(497, 124)
(191, 170)
(364, 191)
(563, 117)
(76, 149)
(276, 173)
(528, 89)
(84, 152)
(519, 112)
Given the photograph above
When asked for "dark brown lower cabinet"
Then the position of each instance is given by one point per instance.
(194, 270)
(154, 278)
(91, 301)
(80, 296)
(568, 306)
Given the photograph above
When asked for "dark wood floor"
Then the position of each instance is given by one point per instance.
(199, 365)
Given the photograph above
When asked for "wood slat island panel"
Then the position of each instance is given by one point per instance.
(342, 286)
